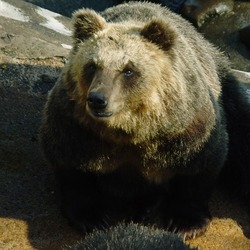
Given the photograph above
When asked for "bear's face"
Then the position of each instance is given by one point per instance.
(117, 70)
(121, 75)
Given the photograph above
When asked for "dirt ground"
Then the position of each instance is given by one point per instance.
(29, 216)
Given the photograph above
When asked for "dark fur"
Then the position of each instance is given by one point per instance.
(177, 201)
(236, 173)
(132, 237)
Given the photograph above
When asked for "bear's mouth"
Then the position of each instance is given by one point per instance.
(101, 114)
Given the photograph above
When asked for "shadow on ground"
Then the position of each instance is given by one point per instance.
(26, 183)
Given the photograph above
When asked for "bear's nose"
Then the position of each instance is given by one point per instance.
(97, 100)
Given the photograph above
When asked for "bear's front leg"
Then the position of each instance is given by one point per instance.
(81, 200)
(185, 208)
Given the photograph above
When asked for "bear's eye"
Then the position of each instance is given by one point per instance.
(89, 71)
(128, 72)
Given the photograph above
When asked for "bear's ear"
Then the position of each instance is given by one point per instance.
(86, 23)
(160, 33)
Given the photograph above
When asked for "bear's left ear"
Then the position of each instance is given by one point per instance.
(86, 23)
(160, 33)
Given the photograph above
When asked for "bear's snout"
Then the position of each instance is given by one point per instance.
(97, 102)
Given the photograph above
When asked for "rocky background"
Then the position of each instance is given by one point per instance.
(34, 45)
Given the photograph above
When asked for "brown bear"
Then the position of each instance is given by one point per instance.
(135, 127)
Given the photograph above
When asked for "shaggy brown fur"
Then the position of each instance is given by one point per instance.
(134, 125)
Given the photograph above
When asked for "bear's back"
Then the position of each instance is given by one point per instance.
(143, 12)
(189, 38)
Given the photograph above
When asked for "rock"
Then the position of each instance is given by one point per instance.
(242, 76)
(30, 31)
(197, 11)
(66, 7)
(31, 58)
(245, 36)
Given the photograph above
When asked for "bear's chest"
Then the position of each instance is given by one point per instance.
(108, 158)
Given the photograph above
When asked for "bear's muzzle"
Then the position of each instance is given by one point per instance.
(97, 104)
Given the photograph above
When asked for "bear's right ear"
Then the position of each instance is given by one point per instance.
(86, 23)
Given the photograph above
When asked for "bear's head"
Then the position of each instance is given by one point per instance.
(124, 78)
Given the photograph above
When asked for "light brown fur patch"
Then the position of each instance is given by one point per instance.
(168, 101)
